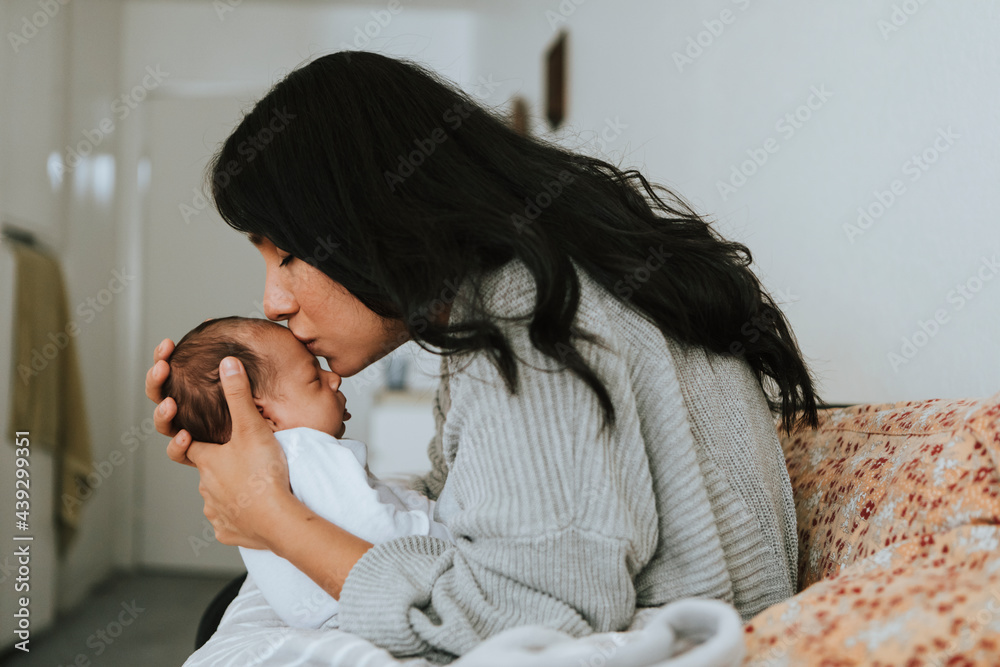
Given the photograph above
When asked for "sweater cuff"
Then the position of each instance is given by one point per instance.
(392, 580)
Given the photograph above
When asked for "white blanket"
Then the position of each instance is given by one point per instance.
(686, 633)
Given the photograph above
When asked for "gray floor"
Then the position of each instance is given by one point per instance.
(158, 613)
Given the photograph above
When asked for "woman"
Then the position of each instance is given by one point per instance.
(604, 440)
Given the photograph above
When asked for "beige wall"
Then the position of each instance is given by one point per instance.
(896, 78)
(58, 84)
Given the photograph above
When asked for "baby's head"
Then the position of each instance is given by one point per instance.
(289, 387)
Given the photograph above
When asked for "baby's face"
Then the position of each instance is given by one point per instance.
(305, 395)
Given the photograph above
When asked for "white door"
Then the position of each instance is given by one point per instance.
(195, 267)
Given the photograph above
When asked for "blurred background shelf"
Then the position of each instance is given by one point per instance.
(400, 428)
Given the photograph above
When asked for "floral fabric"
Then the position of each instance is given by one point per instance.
(898, 509)
(875, 475)
(928, 600)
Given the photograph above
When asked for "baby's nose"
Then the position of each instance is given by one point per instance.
(334, 380)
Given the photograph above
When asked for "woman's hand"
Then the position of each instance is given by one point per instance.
(244, 482)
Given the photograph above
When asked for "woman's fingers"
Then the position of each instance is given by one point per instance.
(156, 375)
(247, 420)
(177, 449)
(163, 417)
(163, 350)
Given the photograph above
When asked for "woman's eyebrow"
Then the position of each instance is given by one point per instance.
(255, 239)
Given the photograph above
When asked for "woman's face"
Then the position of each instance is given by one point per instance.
(327, 318)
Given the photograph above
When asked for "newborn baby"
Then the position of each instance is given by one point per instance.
(300, 402)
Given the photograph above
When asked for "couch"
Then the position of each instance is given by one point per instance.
(898, 510)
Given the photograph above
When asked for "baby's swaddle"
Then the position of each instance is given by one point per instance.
(328, 475)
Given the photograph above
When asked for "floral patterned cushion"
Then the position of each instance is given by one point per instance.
(899, 539)
(928, 600)
(875, 475)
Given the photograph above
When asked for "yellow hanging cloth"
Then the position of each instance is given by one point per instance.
(47, 394)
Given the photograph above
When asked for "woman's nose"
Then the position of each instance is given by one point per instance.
(278, 302)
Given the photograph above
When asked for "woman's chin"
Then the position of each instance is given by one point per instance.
(336, 365)
(342, 368)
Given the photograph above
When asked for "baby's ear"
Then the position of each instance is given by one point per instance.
(270, 422)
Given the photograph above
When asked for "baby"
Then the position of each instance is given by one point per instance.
(299, 401)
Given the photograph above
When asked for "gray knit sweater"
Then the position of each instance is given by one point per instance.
(561, 525)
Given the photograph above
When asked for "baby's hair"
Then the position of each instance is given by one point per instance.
(194, 384)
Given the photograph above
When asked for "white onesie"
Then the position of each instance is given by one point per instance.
(329, 476)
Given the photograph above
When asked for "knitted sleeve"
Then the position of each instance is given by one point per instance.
(552, 521)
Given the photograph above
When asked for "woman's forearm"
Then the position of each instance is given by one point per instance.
(323, 551)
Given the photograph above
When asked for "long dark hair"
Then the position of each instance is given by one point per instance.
(392, 181)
